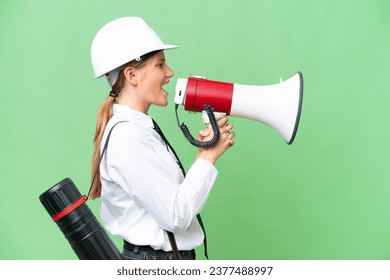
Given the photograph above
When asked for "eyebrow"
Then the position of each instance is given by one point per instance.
(160, 59)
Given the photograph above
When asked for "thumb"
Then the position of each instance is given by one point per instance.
(203, 133)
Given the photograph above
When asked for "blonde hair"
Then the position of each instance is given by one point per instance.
(103, 116)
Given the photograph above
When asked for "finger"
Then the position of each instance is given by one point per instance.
(228, 127)
(222, 122)
(231, 135)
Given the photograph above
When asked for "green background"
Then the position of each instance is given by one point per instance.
(327, 196)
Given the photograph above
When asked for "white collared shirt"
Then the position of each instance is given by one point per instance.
(143, 188)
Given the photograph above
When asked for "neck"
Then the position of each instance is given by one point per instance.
(133, 102)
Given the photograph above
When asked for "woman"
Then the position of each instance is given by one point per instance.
(144, 193)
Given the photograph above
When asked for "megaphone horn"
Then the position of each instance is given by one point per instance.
(278, 106)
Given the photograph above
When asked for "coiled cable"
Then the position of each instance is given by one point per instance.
(192, 140)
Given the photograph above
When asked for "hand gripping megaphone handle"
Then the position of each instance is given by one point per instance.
(214, 125)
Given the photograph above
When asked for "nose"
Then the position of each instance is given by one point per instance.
(169, 73)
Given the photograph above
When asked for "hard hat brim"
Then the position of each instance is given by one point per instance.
(162, 48)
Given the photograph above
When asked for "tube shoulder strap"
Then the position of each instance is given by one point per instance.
(101, 156)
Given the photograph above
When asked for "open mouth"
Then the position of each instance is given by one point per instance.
(163, 86)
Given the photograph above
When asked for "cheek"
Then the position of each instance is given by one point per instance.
(157, 82)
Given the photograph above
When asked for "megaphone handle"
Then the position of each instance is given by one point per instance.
(214, 125)
(217, 116)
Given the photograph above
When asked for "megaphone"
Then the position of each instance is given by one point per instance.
(278, 105)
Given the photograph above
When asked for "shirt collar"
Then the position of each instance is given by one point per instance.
(128, 113)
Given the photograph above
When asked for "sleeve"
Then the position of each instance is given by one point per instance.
(150, 175)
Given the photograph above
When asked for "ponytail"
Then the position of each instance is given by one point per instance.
(103, 116)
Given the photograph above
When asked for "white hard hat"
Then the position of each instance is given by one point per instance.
(120, 41)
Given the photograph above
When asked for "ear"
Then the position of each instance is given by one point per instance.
(130, 74)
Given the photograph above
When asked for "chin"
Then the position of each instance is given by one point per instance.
(165, 101)
(162, 103)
